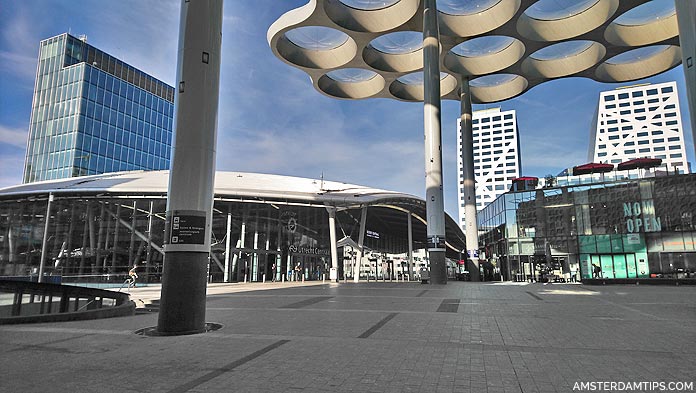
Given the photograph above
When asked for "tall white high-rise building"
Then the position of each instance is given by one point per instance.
(639, 121)
(496, 156)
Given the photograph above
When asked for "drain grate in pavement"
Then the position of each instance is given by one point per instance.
(378, 325)
(449, 305)
(307, 302)
(534, 296)
(226, 368)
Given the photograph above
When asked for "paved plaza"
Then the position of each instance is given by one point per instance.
(371, 337)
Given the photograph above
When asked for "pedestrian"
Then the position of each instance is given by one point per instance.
(298, 269)
(596, 271)
(132, 276)
(273, 272)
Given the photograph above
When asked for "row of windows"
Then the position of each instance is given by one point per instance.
(123, 120)
(627, 104)
(99, 84)
(639, 93)
(78, 51)
(495, 131)
(121, 149)
(508, 116)
(111, 132)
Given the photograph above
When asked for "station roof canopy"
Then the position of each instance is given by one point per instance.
(356, 49)
(388, 209)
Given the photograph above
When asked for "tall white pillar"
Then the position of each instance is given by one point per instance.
(334, 250)
(44, 241)
(192, 173)
(469, 181)
(228, 236)
(410, 245)
(361, 241)
(686, 17)
(434, 199)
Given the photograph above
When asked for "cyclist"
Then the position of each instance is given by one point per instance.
(132, 276)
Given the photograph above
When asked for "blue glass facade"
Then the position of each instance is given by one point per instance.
(93, 114)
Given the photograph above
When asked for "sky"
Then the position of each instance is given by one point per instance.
(271, 120)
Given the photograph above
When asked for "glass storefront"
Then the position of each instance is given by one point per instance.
(633, 228)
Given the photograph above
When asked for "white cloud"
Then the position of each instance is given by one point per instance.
(11, 168)
(13, 136)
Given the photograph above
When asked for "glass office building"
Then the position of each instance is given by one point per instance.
(629, 228)
(93, 113)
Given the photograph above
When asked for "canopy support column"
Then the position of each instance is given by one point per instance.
(434, 199)
(192, 173)
(469, 181)
(686, 15)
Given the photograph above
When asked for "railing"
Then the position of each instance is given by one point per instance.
(24, 302)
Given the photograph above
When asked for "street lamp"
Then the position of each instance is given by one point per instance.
(489, 50)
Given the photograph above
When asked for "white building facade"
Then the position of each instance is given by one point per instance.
(639, 121)
(496, 156)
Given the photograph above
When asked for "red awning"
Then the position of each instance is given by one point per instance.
(639, 163)
(525, 178)
(592, 167)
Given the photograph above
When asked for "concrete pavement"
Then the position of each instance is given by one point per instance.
(376, 337)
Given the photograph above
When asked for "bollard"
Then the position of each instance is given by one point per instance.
(323, 277)
(282, 278)
(264, 278)
(245, 278)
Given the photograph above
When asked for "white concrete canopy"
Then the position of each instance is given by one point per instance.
(523, 38)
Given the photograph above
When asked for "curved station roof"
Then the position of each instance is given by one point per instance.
(355, 49)
(388, 208)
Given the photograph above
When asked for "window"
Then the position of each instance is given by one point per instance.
(603, 154)
(671, 123)
(624, 104)
(611, 106)
(673, 139)
(631, 151)
(652, 92)
(623, 96)
(659, 148)
(612, 98)
(637, 94)
(496, 118)
(629, 144)
(667, 89)
(643, 142)
(642, 134)
(475, 121)
(644, 150)
(508, 116)
(674, 147)
(658, 140)
(675, 155)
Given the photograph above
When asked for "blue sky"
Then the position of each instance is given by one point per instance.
(271, 120)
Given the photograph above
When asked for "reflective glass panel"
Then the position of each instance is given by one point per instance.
(369, 5)
(493, 80)
(483, 46)
(638, 54)
(398, 43)
(563, 49)
(351, 75)
(465, 7)
(648, 12)
(558, 9)
(416, 78)
(316, 37)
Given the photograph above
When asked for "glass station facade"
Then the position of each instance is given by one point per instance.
(632, 228)
(93, 113)
(97, 237)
